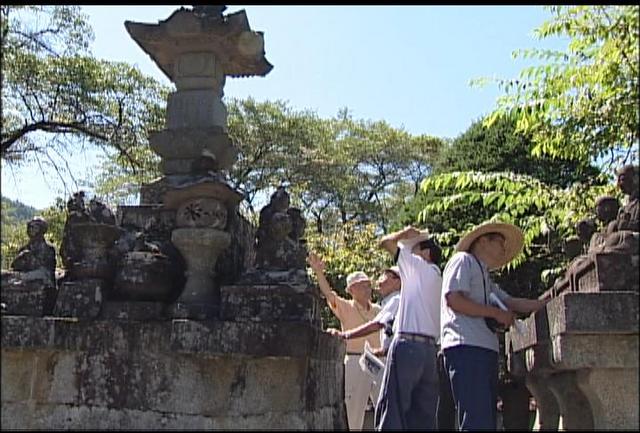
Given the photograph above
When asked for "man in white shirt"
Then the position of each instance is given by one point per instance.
(409, 395)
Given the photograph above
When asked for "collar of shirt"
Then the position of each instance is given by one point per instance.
(384, 301)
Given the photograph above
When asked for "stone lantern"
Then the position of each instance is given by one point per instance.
(197, 49)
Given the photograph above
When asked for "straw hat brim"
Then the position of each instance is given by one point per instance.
(514, 240)
(409, 243)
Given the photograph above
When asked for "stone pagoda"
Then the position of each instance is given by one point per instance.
(197, 49)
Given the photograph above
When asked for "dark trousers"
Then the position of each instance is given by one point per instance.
(473, 373)
(409, 394)
(446, 406)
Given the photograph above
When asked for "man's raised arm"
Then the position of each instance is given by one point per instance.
(390, 242)
(317, 265)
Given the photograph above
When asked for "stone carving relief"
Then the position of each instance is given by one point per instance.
(202, 212)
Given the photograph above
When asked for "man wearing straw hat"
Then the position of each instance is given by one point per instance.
(409, 395)
(469, 345)
(358, 385)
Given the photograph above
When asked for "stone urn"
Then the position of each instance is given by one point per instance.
(200, 247)
(93, 243)
(143, 276)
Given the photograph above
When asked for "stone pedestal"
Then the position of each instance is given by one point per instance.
(169, 375)
(200, 248)
(273, 303)
(133, 311)
(81, 299)
(581, 356)
(28, 298)
(94, 241)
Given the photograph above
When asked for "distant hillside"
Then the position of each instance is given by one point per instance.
(17, 211)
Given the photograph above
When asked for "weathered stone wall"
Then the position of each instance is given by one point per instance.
(179, 374)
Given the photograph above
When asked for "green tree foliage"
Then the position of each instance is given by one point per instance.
(14, 234)
(499, 147)
(345, 249)
(581, 103)
(547, 214)
(362, 169)
(56, 96)
(493, 148)
(15, 216)
(16, 210)
(337, 169)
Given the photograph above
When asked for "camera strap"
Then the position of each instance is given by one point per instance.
(484, 285)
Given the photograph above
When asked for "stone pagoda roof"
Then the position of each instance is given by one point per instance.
(239, 49)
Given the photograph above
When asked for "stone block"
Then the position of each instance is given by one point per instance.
(613, 397)
(196, 109)
(593, 313)
(82, 298)
(261, 385)
(136, 311)
(193, 311)
(17, 376)
(29, 298)
(607, 272)
(192, 143)
(188, 337)
(70, 374)
(269, 304)
(152, 218)
(535, 331)
(571, 352)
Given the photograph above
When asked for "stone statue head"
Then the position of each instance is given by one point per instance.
(584, 229)
(607, 208)
(628, 180)
(37, 227)
(99, 212)
(76, 202)
(280, 199)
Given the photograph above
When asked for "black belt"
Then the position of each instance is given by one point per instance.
(421, 338)
(354, 353)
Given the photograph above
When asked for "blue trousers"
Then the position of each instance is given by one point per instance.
(409, 393)
(473, 373)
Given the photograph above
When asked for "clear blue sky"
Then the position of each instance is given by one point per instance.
(408, 65)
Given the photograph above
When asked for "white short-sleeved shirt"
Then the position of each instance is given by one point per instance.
(386, 317)
(419, 308)
(463, 273)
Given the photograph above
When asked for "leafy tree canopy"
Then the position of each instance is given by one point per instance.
(56, 96)
(581, 103)
(337, 169)
(501, 147)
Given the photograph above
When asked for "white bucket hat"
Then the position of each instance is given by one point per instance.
(356, 277)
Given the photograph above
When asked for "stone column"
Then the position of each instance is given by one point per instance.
(574, 406)
(548, 412)
(603, 388)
